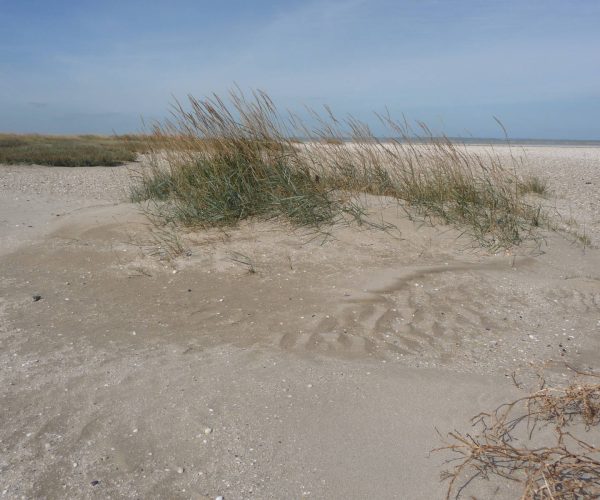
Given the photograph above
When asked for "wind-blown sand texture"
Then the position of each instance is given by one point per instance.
(322, 374)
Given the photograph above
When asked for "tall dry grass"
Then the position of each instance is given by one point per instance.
(216, 161)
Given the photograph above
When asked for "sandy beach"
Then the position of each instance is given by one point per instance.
(268, 362)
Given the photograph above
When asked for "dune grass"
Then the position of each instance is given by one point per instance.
(534, 184)
(70, 151)
(216, 162)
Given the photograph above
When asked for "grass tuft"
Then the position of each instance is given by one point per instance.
(534, 184)
(216, 162)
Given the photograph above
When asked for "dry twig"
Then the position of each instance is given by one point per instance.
(504, 444)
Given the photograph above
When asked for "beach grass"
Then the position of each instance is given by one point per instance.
(70, 151)
(534, 184)
(217, 161)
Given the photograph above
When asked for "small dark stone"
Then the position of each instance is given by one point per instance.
(189, 289)
(95, 482)
(36, 298)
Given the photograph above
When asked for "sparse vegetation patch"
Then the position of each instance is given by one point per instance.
(69, 151)
(534, 184)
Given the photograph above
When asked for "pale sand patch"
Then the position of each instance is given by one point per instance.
(323, 374)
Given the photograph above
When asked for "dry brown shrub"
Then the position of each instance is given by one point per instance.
(507, 444)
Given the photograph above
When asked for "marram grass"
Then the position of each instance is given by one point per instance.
(216, 162)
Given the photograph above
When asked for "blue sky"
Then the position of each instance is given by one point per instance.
(85, 66)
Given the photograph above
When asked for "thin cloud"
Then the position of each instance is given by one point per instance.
(427, 58)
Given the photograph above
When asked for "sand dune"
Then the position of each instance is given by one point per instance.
(322, 374)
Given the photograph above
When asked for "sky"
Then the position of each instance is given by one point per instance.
(103, 66)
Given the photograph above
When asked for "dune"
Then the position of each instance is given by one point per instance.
(267, 361)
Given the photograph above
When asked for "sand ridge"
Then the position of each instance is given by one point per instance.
(322, 374)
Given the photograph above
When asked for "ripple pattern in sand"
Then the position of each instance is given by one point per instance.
(423, 310)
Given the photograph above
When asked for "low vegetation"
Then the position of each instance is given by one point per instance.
(509, 444)
(216, 162)
(534, 184)
(70, 151)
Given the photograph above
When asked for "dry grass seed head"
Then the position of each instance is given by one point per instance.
(216, 162)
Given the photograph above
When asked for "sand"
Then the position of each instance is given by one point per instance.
(322, 374)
